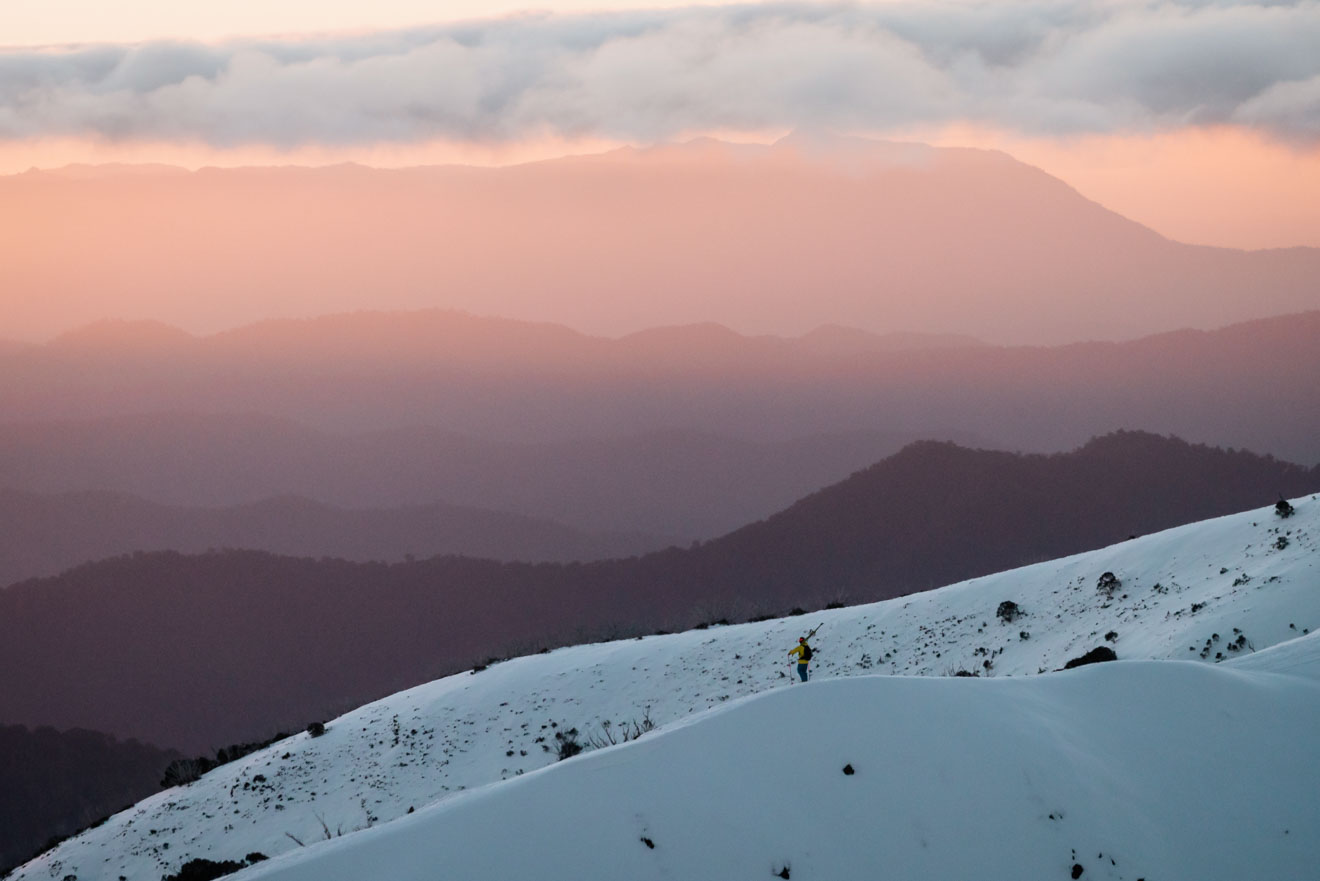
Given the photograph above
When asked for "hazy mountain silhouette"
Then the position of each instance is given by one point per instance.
(199, 651)
(1249, 385)
(46, 534)
(834, 339)
(56, 783)
(887, 237)
(683, 485)
(936, 513)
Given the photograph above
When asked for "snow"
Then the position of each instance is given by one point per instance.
(1299, 657)
(1190, 769)
(1152, 770)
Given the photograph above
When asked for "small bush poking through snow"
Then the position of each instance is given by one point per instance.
(316, 729)
(569, 745)
(1007, 611)
(204, 870)
(1107, 584)
(1284, 509)
(181, 772)
(611, 735)
(1094, 656)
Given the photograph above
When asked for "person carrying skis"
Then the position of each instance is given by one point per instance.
(803, 651)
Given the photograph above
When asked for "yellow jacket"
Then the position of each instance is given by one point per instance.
(801, 653)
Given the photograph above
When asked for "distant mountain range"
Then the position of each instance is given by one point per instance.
(198, 651)
(1250, 385)
(777, 238)
(666, 486)
(46, 534)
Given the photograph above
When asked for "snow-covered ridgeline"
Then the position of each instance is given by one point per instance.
(1185, 594)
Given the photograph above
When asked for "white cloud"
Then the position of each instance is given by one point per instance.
(1029, 65)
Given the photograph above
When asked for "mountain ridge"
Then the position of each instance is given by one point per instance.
(768, 239)
(511, 380)
(680, 483)
(50, 533)
(69, 645)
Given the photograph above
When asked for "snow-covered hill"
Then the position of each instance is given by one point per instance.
(1147, 770)
(1135, 761)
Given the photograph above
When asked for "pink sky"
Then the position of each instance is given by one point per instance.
(1200, 121)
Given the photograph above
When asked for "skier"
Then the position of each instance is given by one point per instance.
(803, 651)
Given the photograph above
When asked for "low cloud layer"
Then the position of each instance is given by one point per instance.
(1033, 66)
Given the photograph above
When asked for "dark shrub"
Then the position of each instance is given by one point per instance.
(181, 772)
(1108, 583)
(1094, 656)
(569, 745)
(1283, 508)
(204, 870)
(316, 729)
(477, 668)
(1007, 611)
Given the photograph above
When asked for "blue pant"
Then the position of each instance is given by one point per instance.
(802, 671)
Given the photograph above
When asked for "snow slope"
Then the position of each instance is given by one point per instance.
(1145, 770)
(1211, 591)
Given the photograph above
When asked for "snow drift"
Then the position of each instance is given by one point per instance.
(1138, 770)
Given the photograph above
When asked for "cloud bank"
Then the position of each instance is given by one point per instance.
(1032, 66)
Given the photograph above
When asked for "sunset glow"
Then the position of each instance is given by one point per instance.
(1198, 121)
(349, 347)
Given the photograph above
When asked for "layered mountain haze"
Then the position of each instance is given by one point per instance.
(179, 649)
(673, 485)
(427, 430)
(781, 238)
(47, 534)
(507, 380)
